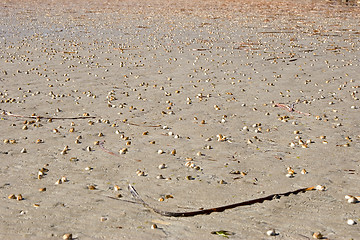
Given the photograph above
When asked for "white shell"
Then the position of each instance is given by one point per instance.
(271, 232)
(350, 222)
(162, 166)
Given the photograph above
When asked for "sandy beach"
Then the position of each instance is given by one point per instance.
(195, 104)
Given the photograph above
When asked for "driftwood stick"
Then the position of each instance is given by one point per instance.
(101, 145)
(290, 108)
(216, 209)
(136, 124)
(41, 117)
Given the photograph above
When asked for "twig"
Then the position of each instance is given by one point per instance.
(136, 124)
(41, 117)
(216, 209)
(290, 108)
(101, 145)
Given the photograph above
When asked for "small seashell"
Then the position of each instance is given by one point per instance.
(92, 187)
(145, 133)
(72, 130)
(160, 177)
(24, 127)
(23, 150)
(42, 189)
(161, 199)
(103, 219)
(162, 166)
(64, 179)
(58, 182)
(12, 196)
(197, 168)
(100, 134)
(160, 151)
(154, 226)
(317, 235)
(290, 170)
(39, 141)
(271, 232)
(290, 175)
(222, 181)
(88, 168)
(320, 188)
(304, 171)
(88, 148)
(351, 222)
(117, 188)
(55, 130)
(123, 151)
(168, 196)
(19, 197)
(352, 200)
(187, 164)
(189, 178)
(140, 173)
(67, 236)
(96, 143)
(36, 205)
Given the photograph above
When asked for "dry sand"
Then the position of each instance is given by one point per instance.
(169, 63)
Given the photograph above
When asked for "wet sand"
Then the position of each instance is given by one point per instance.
(202, 79)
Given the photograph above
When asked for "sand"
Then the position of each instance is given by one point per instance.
(174, 75)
